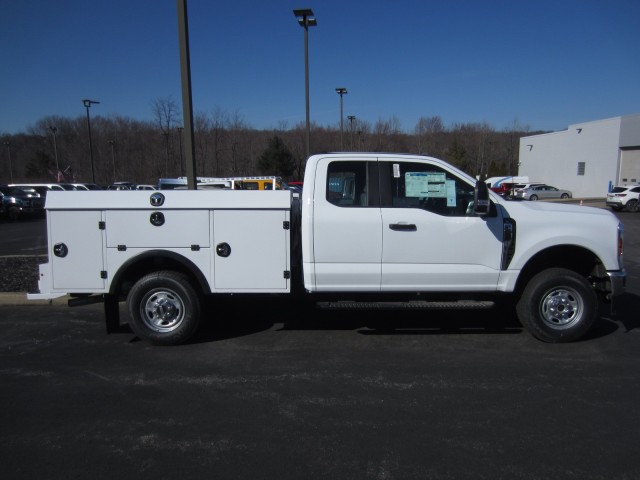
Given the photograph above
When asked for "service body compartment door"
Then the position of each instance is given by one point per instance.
(157, 228)
(251, 251)
(76, 251)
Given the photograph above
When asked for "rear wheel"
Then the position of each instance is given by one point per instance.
(164, 308)
(533, 198)
(558, 305)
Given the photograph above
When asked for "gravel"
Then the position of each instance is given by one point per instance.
(20, 273)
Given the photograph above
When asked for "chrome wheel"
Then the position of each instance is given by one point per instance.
(162, 310)
(558, 305)
(561, 308)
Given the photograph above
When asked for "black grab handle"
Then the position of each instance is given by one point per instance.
(403, 227)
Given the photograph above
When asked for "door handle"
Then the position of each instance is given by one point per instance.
(403, 227)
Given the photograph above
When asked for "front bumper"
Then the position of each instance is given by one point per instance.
(617, 282)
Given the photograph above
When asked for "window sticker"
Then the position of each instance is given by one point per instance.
(396, 170)
(416, 184)
(426, 184)
(451, 193)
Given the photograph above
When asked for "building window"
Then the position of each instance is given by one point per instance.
(581, 167)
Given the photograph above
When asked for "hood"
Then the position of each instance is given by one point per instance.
(542, 207)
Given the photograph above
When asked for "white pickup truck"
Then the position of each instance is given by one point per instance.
(411, 230)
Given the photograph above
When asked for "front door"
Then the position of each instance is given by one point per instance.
(431, 240)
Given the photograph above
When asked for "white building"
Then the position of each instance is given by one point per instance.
(586, 157)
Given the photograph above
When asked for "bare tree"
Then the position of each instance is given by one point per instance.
(426, 130)
(166, 113)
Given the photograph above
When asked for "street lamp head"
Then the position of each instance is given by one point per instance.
(305, 17)
(303, 12)
(87, 103)
(53, 129)
(341, 91)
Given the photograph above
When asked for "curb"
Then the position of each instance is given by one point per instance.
(19, 299)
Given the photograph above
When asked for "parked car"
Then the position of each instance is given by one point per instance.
(518, 187)
(87, 186)
(504, 189)
(540, 192)
(624, 197)
(122, 186)
(16, 202)
(145, 187)
(39, 187)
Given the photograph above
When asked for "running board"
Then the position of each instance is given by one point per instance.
(410, 305)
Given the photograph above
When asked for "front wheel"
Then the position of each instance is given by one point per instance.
(164, 308)
(564, 196)
(632, 206)
(533, 198)
(558, 305)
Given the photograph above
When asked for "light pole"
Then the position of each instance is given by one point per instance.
(8, 145)
(341, 91)
(351, 119)
(87, 103)
(113, 157)
(305, 20)
(54, 130)
(180, 129)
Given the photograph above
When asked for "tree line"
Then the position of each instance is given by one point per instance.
(125, 149)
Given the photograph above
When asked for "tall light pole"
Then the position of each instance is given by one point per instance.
(351, 119)
(341, 91)
(87, 103)
(54, 130)
(187, 98)
(8, 145)
(180, 129)
(305, 20)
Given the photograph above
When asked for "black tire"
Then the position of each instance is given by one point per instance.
(558, 305)
(533, 198)
(164, 308)
(632, 206)
(564, 196)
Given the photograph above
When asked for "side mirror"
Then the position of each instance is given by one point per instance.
(481, 203)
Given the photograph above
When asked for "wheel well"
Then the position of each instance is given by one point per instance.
(578, 259)
(152, 261)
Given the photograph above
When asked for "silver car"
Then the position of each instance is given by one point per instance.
(541, 192)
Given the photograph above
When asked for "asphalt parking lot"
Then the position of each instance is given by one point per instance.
(273, 391)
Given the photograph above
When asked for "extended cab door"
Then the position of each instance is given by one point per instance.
(347, 227)
(431, 240)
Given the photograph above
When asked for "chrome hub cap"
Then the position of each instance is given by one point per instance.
(561, 308)
(163, 310)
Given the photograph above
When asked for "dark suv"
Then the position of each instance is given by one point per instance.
(17, 202)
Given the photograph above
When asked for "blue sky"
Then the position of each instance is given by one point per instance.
(546, 64)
